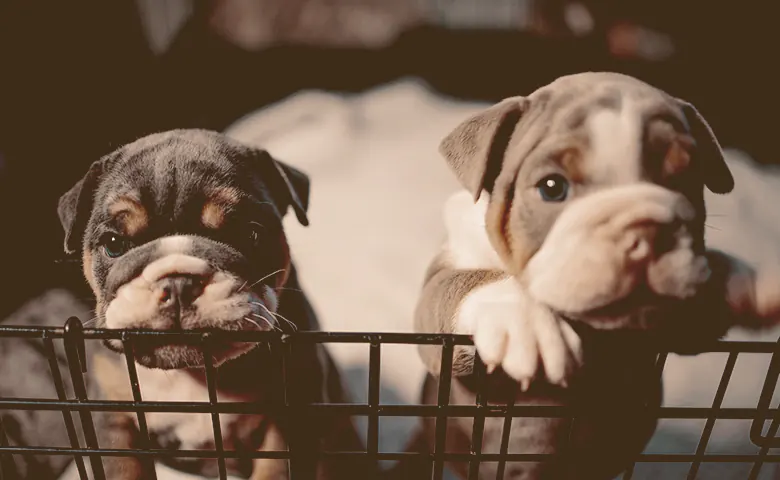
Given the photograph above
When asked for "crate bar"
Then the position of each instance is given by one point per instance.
(721, 346)
(279, 394)
(716, 404)
(762, 409)
(67, 417)
(374, 368)
(443, 400)
(762, 454)
(303, 446)
(455, 457)
(211, 384)
(660, 364)
(75, 351)
(507, 429)
(362, 409)
(479, 371)
(6, 460)
(132, 373)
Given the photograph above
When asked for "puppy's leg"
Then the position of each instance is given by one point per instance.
(509, 328)
(271, 469)
(118, 431)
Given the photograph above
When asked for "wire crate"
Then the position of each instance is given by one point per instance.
(88, 452)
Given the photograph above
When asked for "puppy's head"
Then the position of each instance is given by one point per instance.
(590, 137)
(182, 230)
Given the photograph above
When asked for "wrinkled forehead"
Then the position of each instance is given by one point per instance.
(170, 186)
(571, 101)
(601, 126)
(166, 183)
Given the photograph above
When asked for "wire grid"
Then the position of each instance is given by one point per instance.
(73, 335)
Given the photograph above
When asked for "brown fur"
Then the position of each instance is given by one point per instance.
(220, 201)
(130, 215)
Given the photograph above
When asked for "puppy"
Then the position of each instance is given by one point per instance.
(179, 231)
(583, 210)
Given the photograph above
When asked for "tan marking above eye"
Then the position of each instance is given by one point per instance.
(677, 157)
(130, 215)
(220, 202)
(571, 161)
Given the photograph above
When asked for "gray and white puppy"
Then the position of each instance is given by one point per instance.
(182, 230)
(583, 209)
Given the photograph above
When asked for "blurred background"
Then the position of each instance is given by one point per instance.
(80, 78)
(358, 93)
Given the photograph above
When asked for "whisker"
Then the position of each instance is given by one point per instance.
(290, 289)
(90, 322)
(266, 321)
(710, 226)
(291, 324)
(253, 322)
(276, 315)
(266, 277)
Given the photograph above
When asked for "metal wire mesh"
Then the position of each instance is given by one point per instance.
(87, 449)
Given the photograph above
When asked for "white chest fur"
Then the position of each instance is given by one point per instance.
(468, 244)
(193, 430)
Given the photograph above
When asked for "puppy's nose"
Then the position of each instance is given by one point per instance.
(179, 291)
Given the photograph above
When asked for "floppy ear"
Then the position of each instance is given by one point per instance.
(709, 155)
(475, 149)
(75, 207)
(289, 186)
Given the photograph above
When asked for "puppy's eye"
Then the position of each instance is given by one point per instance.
(114, 245)
(553, 188)
(257, 234)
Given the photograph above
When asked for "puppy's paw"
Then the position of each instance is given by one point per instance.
(512, 331)
(752, 293)
(679, 273)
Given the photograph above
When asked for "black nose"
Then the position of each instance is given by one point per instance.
(179, 291)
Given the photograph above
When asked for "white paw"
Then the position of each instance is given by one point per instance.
(520, 335)
(679, 273)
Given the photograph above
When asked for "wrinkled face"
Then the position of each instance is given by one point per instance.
(179, 238)
(610, 139)
(595, 190)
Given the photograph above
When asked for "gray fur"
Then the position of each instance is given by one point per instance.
(173, 176)
(504, 151)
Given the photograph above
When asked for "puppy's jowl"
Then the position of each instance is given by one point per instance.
(583, 209)
(180, 231)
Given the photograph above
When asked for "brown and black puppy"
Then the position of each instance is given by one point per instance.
(182, 230)
(583, 209)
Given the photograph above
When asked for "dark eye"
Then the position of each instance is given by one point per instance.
(553, 188)
(114, 245)
(256, 234)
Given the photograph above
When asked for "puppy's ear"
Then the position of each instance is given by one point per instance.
(75, 207)
(709, 155)
(475, 149)
(289, 186)
(297, 186)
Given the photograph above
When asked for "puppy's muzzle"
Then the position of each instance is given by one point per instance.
(178, 292)
(615, 243)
